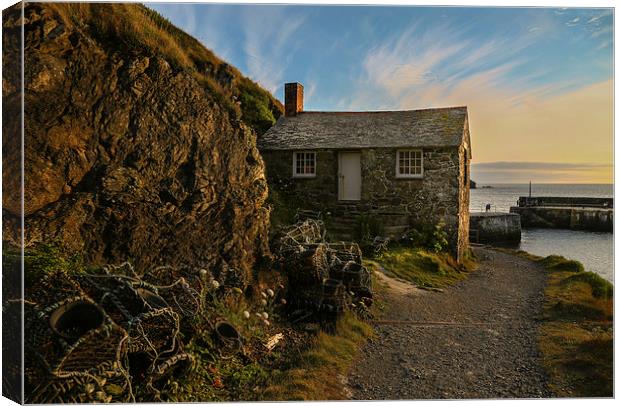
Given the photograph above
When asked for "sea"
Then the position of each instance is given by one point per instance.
(593, 249)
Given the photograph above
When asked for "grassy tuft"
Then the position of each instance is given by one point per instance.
(559, 263)
(601, 287)
(316, 373)
(41, 261)
(424, 268)
(576, 336)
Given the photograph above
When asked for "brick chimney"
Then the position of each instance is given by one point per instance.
(293, 99)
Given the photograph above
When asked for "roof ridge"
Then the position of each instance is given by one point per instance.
(382, 111)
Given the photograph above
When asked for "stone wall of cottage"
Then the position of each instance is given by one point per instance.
(441, 194)
(464, 178)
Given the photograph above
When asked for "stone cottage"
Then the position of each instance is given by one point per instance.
(402, 168)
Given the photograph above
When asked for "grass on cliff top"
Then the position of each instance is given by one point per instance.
(316, 372)
(576, 334)
(138, 30)
(40, 261)
(424, 268)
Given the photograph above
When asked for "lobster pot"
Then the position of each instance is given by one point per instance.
(303, 233)
(167, 275)
(355, 276)
(122, 298)
(308, 268)
(100, 349)
(344, 248)
(332, 287)
(174, 367)
(184, 299)
(155, 334)
(54, 330)
(53, 288)
(333, 298)
(228, 338)
(73, 389)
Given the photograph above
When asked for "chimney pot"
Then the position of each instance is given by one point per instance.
(293, 99)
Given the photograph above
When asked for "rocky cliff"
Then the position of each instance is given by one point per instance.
(139, 142)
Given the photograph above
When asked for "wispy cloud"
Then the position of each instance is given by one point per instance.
(608, 29)
(597, 18)
(433, 66)
(309, 90)
(269, 43)
(412, 59)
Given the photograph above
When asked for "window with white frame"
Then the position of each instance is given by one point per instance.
(304, 164)
(409, 163)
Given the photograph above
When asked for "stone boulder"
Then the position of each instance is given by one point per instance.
(126, 157)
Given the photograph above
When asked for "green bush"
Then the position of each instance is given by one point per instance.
(429, 236)
(255, 107)
(367, 228)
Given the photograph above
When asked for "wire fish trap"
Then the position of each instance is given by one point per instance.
(155, 334)
(73, 389)
(309, 267)
(172, 368)
(103, 346)
(53, 288)
(355, 275)
(228, 337)
(346, 250)
(306, 232)
(184, 299)
(165, 275)
(91, 370)
(330, 298)
(122, 297)
(334, 297)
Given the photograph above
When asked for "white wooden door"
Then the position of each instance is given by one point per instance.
(349, 176)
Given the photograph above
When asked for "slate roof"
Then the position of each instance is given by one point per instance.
(390, 129)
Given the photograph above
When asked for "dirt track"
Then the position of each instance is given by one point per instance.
(476, 339)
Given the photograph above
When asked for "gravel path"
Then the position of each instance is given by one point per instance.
(476, 339)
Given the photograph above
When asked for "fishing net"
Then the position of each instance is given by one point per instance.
(321, 275)
(293, 238)
(98, 336)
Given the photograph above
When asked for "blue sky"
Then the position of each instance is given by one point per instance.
(537, 81)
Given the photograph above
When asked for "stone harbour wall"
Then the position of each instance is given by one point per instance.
(442, 194)
(495, 228)
(572, 218)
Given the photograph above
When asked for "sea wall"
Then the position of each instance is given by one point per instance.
(573, 218)
(563, 201)
(494, 228)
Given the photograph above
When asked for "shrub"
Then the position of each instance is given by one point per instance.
(430, 236)
(255, 106)
(367, 228)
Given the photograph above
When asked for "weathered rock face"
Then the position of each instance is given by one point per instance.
(128, 158)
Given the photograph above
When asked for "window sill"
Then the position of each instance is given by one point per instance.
(304, 176)
(409, 176)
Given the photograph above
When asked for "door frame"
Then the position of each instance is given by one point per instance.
(341, 176)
